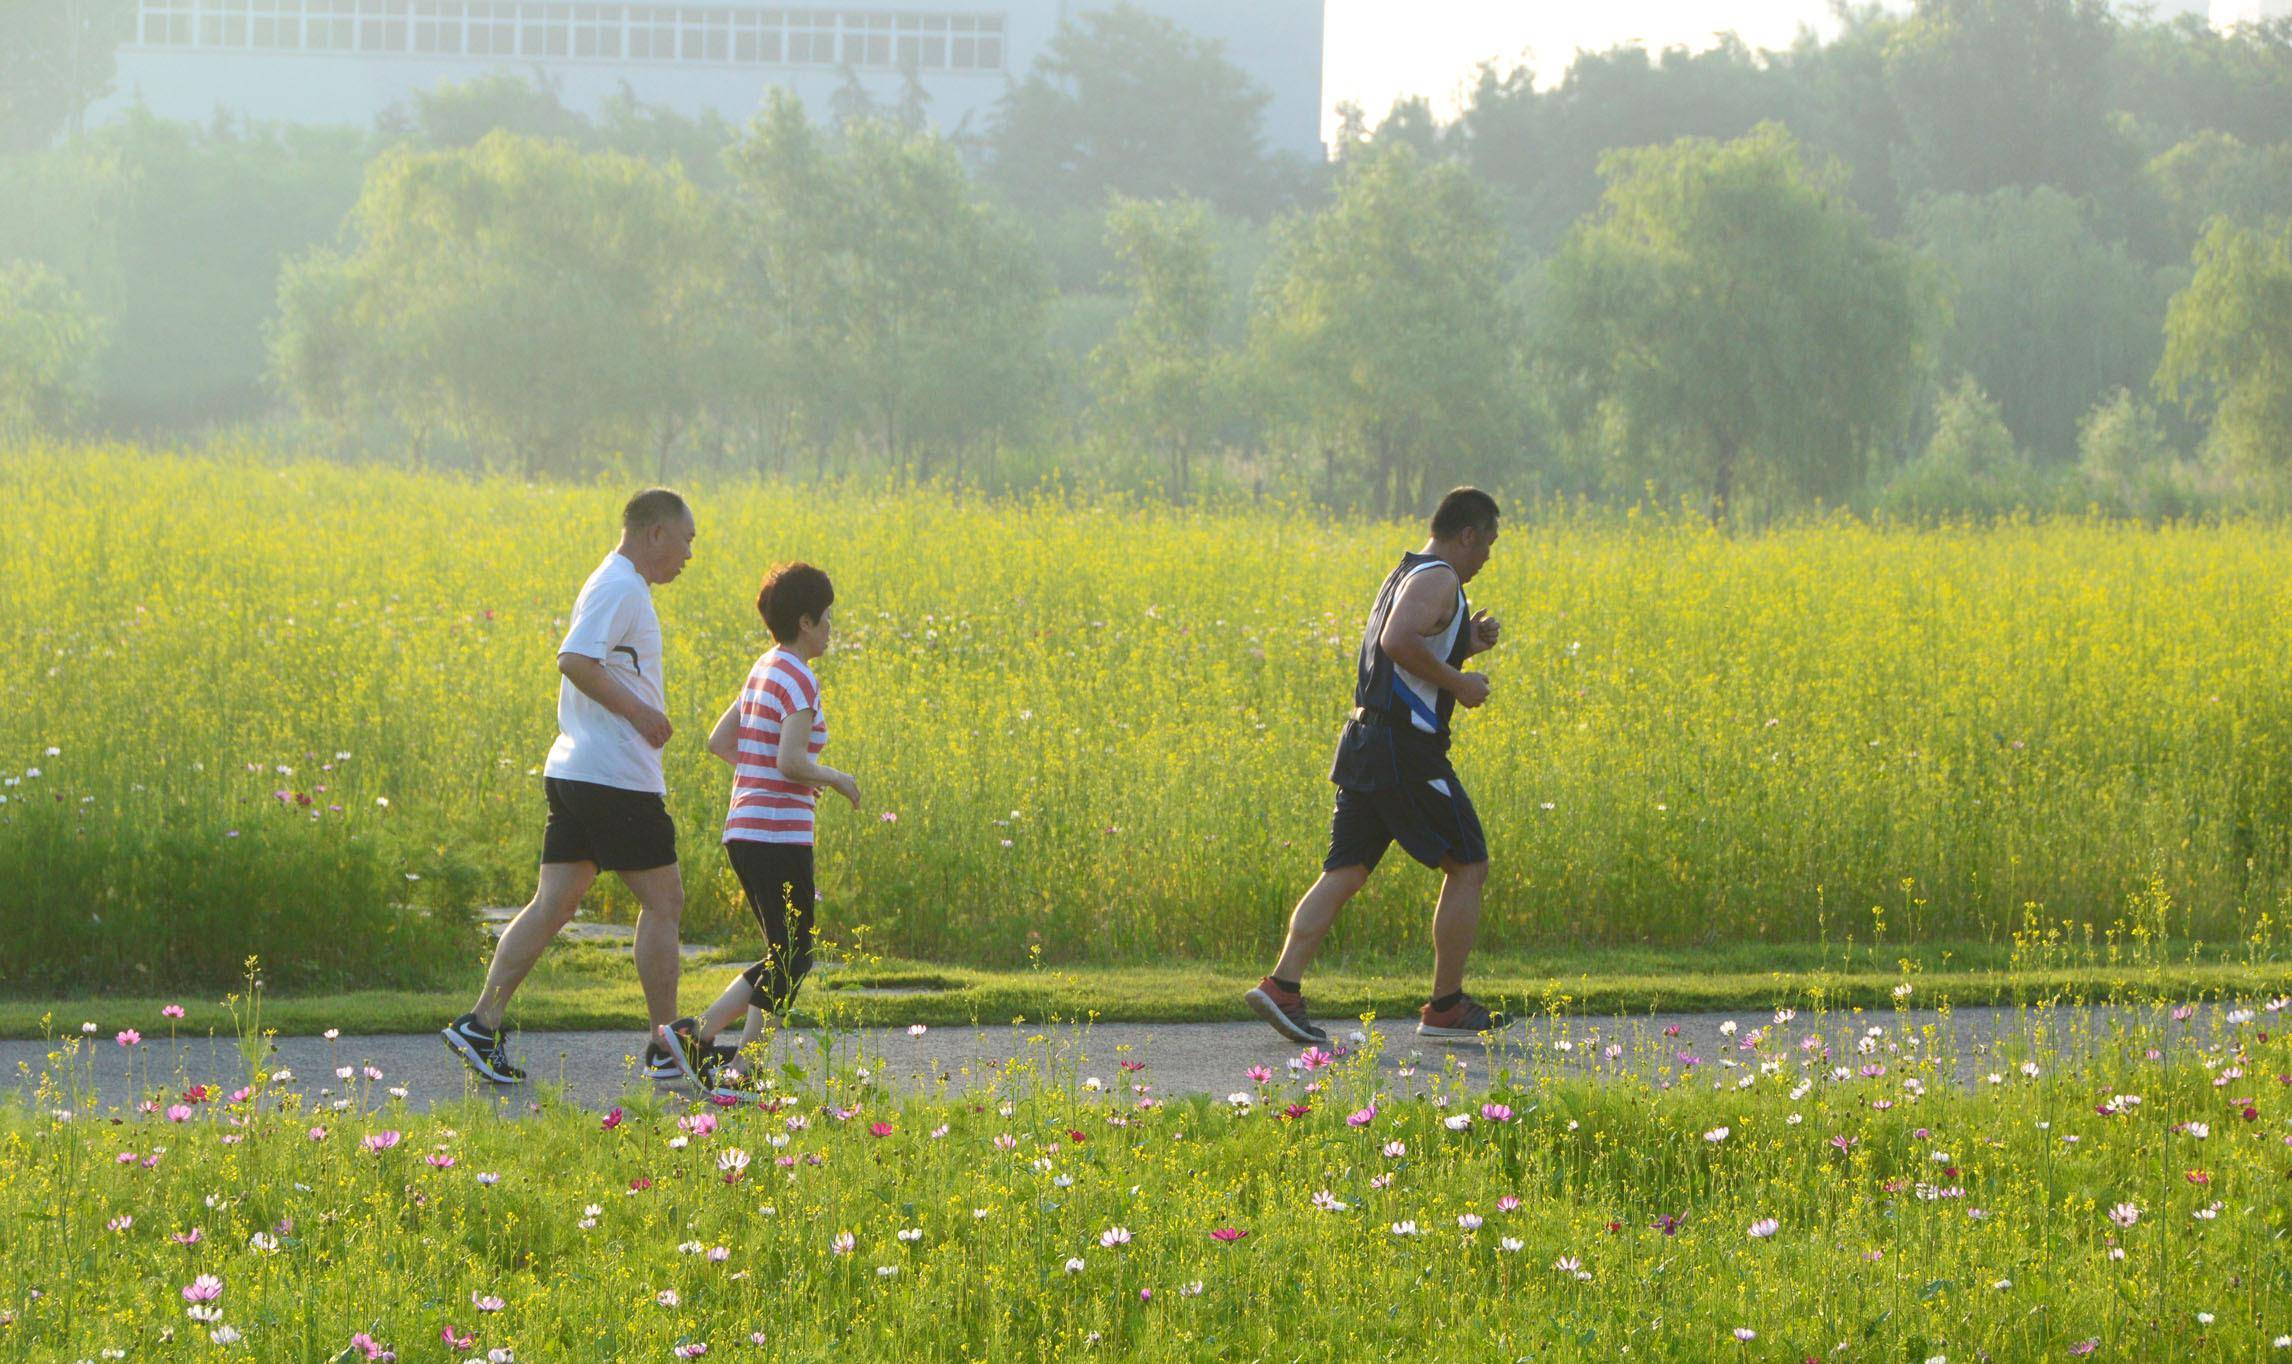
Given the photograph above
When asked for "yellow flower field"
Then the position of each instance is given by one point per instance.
(296, 708)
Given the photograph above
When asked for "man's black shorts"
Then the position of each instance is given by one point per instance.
(1396, 790)
(618, 830)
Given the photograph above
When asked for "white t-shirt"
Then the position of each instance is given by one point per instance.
(613, 621)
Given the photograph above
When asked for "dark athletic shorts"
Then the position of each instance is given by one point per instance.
(619, 830)
(1393, 789)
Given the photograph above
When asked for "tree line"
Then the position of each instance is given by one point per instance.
(1990, 254)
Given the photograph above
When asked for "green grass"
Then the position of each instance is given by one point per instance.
(580, 986)
(1093, 747)
(1660, 1209)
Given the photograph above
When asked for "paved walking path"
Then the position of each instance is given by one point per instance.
(597, 1069)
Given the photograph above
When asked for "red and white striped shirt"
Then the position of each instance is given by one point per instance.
(766, 808)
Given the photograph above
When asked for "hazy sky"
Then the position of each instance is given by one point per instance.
(1375, 51)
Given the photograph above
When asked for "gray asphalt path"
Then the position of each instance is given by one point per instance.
(598, 1069)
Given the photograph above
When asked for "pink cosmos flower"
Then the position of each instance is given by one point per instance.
(172, 1011)
(485, 1302)
(439, 1160)
(128, 1037)
(1496, 1112)
(205, 1288)
(698, 1125)
(120, 1223)
(370, 1348)
(1314, 1058)
(1258, 1074)
(1508, 1204)
(880, 1129)
(1361, 1117)
(178, 1112)
(1114, 1236)
(318, 1134)
(187, 1238)
(694, 1350)
(1227, 1234)
(457, 1340)
(378, 1142)
(611, 1120)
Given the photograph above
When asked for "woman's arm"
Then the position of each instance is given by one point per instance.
(724, 740)
(795, 759)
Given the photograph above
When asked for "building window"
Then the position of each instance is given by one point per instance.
(872, 39)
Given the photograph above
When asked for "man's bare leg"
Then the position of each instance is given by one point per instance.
(1456, 922)
(660, 918)
(1316, 912)
(555, 898)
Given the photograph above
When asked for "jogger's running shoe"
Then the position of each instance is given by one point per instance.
(660, 1062)
(1467, 1018)
(1285, 1010)
(688, 1056)
(482, 1049)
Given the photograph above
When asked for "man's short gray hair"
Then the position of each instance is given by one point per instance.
(652, 507)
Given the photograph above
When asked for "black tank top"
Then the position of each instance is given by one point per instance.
(1381, 687)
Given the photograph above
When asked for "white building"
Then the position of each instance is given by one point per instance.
(345, 61)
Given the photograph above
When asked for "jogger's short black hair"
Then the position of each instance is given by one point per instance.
(790, 593)
(1462, 508)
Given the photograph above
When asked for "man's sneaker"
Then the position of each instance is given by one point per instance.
(482, 1049)
(1285, 1010)
(688, 1056)
(1467, 1018)
(660, 1063)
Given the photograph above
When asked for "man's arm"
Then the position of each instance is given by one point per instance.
(1416, 613)
(596, 682)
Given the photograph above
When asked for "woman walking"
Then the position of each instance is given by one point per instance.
(772, 735)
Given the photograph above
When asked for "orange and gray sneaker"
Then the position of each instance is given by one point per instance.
(1465, 1019)
(1285, 1010)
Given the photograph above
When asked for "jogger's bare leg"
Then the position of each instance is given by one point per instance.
(660, 917)
(1310, 922)
(1456, 922)
(555, 898)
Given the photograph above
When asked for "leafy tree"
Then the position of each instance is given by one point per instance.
(1544, 147)
(1160, 378)
(174, 235)
(463, 113)
(1125, 102)
(57, 57)
(2128, 459)
(1383, 333)
(544, 305)
(49, 341)
(2213, 174)
(1732, 326)
(894, 307)
(2008, 92)
(1969, 466)
(2046, 315)
(2228, 343)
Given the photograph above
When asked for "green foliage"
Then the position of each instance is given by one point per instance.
(49, 343)
(1969, 467)
(2045, 314)
(551, 308)
(1126, 102)
(175, 236)
(56, 59)
(2007, 92)
(1383, 338)
(1162, 381)
(886, 305)
(2215, 175)
(1729, 327)
(2129, 462)
(2228, 344)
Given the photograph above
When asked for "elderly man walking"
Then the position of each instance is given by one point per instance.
(607, 807)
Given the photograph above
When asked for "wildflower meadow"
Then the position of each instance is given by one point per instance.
(241, 688)
(1780, 1186)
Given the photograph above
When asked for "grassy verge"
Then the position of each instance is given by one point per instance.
(580, 986)
(2122, 1205)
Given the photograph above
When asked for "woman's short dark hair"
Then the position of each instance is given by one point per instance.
(790, 593)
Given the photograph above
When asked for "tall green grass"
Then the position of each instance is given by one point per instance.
(1102, 731)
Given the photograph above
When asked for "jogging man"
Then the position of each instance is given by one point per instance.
(1394, 782)
(606, 806)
